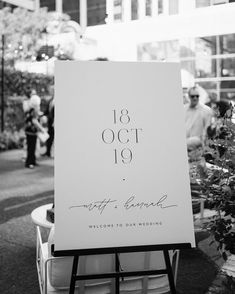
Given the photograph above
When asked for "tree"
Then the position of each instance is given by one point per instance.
(22, 30)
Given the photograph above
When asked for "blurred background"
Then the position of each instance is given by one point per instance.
(200, 34)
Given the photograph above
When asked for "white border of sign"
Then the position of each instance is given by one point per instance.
(121, 170)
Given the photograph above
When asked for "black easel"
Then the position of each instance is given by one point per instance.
(118, 272)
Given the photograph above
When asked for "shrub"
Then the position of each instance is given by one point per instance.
(15, 87)
(17, 82)
(11, 140)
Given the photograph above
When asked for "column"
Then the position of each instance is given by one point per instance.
(154, 8)
(142, 9)
(165, 7)
(126, 10)
(37, 5)
(186, 6)
(83, 15)
(59, 6)
(109, 11)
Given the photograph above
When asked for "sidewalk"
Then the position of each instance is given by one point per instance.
(22, 190)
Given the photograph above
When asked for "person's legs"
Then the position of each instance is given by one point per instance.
(50, 141)
(31, 147)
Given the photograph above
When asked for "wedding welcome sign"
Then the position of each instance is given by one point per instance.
(121, 170)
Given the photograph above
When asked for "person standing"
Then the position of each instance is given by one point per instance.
(213, 100)
(35, 101)
(50, 113)
(197, 116)
(32, 126)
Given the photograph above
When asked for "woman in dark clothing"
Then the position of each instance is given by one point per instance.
(32, 126)
(49, 113)
(51, 131)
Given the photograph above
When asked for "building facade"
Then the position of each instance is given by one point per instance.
(200, 34)
(95, 14)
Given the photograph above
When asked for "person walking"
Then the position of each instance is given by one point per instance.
(197, 116)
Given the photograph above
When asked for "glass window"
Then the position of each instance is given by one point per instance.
(227, 85)
(171, 49)
(187, 46)
(50, 4)
(96, 12)
(217, 2)
(209, 86)
(148, 7)
(173, 6)
(205, 46)
(117, 10)
(71, 8)
(227, 44)
(202, 3)
(227, 67)
(205, 67)
(167, 50)
(186, 52)
(134, 9)
(189, 66)
(227, 90)
(74, 15)
(230, 95)
(160, 6)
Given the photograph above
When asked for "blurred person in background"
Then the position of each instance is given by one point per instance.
(212, 101)
(197, 116)
(185, 96)
(50, 113)
(35, 101)
(32, 100)
(32, 127)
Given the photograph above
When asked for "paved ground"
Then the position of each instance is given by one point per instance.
(22, 190)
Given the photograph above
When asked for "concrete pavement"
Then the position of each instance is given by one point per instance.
(21, 190)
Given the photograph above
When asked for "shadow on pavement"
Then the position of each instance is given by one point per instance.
(20, 206)
(8, 166)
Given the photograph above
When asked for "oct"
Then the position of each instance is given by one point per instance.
(122, 136)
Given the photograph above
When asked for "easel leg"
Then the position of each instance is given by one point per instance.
(117, 268)
(74, 274)
(169, 270)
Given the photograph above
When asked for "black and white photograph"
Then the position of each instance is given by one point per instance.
(117, 146)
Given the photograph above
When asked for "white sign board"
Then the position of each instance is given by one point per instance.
(121, 170)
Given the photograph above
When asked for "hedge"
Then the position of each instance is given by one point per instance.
(15, 86)
(16, 83)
